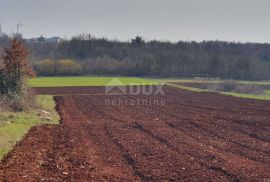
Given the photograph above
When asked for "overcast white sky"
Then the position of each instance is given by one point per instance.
(232, 20)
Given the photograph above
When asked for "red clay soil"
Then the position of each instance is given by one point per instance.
(68, 90)
(192, 137)
(95, 90)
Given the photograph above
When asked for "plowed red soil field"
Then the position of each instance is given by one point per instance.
(189, 137)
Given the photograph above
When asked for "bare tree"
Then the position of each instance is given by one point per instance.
(19, 25)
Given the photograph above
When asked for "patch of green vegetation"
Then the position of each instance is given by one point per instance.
(247, 96)
(255, 82)
(47, 103)
(172, 80)
(87, 81)
(192, 89)
(13, 126)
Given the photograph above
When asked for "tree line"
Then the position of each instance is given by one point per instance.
(84, 54)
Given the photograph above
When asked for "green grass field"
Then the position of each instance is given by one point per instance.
(13, 126)
(87, 81)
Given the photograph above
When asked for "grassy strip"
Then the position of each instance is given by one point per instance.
(88, 81)
(233, 94)
(211, 81)
(192, 89)
(13, 126)
(188, 81)
(247, 96)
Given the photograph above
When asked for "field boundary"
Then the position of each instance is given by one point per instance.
(230, 94)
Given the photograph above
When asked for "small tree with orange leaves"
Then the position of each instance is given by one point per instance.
(15, 72)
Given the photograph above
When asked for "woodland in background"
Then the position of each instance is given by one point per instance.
(86, 55)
